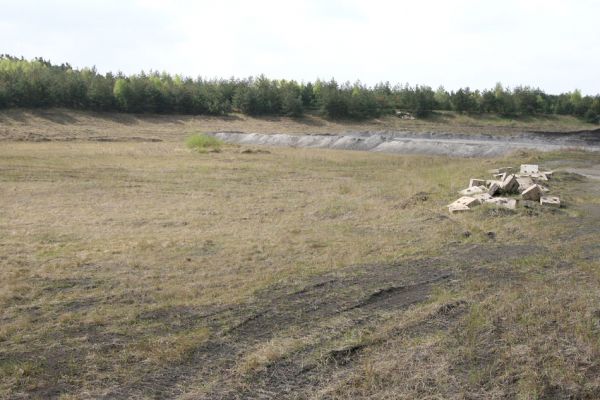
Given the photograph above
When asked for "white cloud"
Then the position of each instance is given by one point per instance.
(552, 44)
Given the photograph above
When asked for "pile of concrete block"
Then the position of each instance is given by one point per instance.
(507, 189)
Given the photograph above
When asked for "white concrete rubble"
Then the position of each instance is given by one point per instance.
(458, 208)
(493, 188)
(473, 190)
(503, 202)
(482, 197)
(529, 169)
(476, 182)
(524, 182)
(550, 201)
(509, 184)
(540, 175)
(466, 201)
(463, 204)
(533, 192)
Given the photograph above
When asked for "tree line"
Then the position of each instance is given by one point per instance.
(39, 83)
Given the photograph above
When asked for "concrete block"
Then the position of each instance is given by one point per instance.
(503, 202)
(457, 208)
(529, 169)
(511, 204)
(533, 192)
(460, 204)
(476, 182)
(500, 177)
(494, 188)
(550, 201)
(524, 183)
(510, 184)
(482, 197)
(539, 176)
(465, 200)
(473, 190)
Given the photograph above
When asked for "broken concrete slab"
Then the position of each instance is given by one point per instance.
(463, 204)
(500, 177)
(482, 197)
(527, 182)
(550, 201)
(503, 202)
(488, 183)
(476, 182)
(539, 176)
(510, 184)
(457, 208)
(494, 188)
(524, 182)
(473, 190)
(529, 169)
(466, 201)
(533, 192)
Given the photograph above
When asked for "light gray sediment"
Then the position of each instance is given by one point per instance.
(424, 143)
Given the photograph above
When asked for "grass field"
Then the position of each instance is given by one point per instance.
(148, 270)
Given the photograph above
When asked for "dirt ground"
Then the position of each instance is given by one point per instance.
(145, 270)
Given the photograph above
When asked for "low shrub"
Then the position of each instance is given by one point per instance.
(203, 143)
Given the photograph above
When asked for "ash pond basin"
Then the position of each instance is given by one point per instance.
(417, 143)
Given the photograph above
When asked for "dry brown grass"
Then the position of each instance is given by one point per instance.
(124, 267)
(60, 124)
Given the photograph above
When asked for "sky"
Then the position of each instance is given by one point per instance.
(550, 44)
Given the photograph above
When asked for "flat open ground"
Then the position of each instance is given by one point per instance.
(141, 269)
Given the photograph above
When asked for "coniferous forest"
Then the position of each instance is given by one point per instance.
(39, 83)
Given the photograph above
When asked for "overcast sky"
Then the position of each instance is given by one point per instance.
(551, 44)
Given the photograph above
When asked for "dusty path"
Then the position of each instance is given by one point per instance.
(423, 143)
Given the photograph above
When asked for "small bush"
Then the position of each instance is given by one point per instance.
(591, 117)
(203, 143)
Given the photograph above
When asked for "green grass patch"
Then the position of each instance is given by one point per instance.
(204, 143)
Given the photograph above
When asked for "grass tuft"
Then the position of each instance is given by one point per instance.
(204, 143)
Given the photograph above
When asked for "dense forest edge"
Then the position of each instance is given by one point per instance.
(38, 83)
